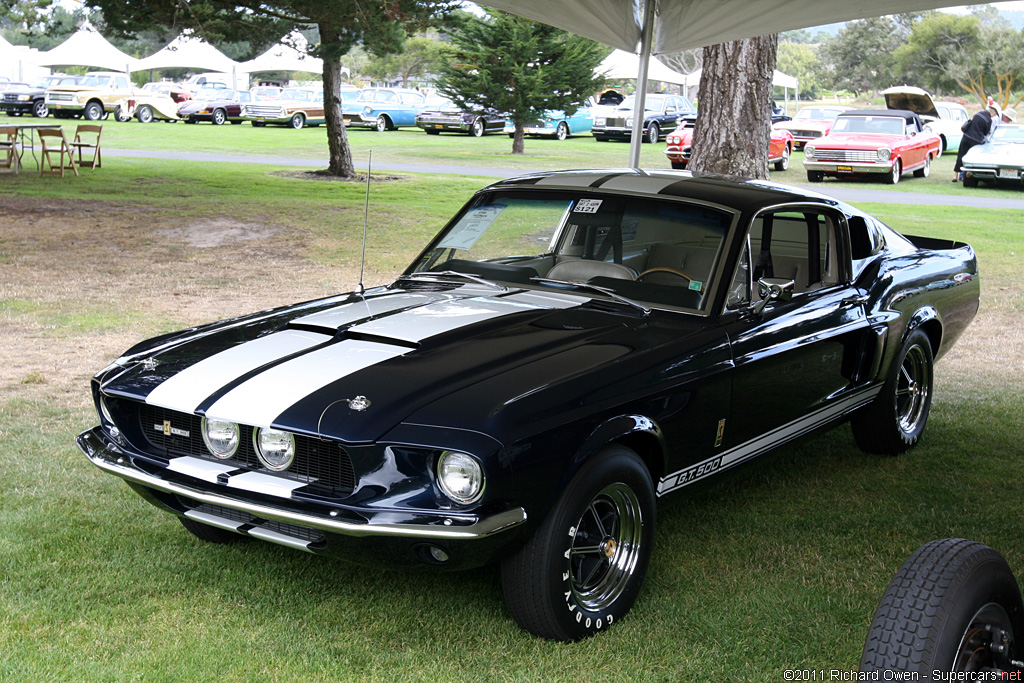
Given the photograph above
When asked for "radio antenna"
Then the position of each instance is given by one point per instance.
(360, 289)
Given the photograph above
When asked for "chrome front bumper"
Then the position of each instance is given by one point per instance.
(423, 524)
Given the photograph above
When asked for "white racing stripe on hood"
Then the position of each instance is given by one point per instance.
(258, 401)
(186, 390)
(348, 313)
(424, 322)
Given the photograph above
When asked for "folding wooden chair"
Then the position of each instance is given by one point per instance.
(10, 159)
(55, 144)
(87, 145)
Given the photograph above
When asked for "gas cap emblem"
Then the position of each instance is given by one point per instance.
(359, 403)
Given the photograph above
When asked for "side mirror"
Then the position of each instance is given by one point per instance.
(773, 289)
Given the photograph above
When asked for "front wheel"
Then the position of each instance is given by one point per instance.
(894, 421)
(39, 109)
(894, 173)
(297, 121)
(783, 163)
(955, 607)
(653, 133)
(381, 124)
(219, 117)
(145, 114)
(582, 569)
(477, 129)
(815, 177)
(93, 111)
(562, 131)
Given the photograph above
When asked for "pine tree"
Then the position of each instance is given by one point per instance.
(519, 67)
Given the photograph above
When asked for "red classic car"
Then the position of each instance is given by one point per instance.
(680, 140)
(873, 141)
(810, 123)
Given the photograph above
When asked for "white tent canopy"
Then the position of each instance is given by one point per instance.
(661, 26)
(289, 55)
(780, 79)
(188, 52)
(86, 47)
(620, 64)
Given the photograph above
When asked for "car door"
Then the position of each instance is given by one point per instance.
(796, 362)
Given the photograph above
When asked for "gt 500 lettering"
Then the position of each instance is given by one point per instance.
(691, 474)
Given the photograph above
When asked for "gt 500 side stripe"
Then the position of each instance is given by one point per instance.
(766, 442)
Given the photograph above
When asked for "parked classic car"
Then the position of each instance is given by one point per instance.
(1000, 160)
(942, 118)
(557, 125)
(295, 107)
(810, 123)
(215, 106)
(95, 97)
(384, 109)
(448, 118)
(679, 145)
(663, 113)
(176, 92)
(871, 142)
(147, 106)
(19, 99)
(570, 347)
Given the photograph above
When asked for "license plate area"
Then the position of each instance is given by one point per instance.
(844, 169)
(1008, 173)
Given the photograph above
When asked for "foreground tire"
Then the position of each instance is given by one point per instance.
(953, 607)
(477, 129)
(210, 534)
(93, 111)
(381, 124)
(815, 177)
(895, 174)
(219, 117)
(583, 568)
(895, 420)
(562, 131)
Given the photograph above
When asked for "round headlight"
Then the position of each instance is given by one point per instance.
(884, 154)
(460, 476)
(276, 449)
(808, 151)
(220, 437)
(629, 122)
(367, 110)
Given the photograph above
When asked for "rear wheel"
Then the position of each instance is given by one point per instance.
(144, 114)
(895, 420)
(954, 606)
(926, 169)
(583, 568)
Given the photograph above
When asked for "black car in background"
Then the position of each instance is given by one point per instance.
(663, 113)
(448, 118)
(32, 99)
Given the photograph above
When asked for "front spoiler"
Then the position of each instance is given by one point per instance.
(423, 524)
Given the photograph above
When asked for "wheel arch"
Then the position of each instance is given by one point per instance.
(638, 433)
(928, 321)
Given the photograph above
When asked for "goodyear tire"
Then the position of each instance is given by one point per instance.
(210, 534)
(582, 570)
(894, 421)
(954, 606)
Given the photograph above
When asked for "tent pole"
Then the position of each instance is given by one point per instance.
(640, 99)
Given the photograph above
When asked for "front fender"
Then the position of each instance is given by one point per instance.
(638, 432)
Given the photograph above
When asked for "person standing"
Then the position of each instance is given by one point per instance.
(976, 131)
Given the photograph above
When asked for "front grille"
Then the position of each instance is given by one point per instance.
(615, 122)
(806, 133)
(10, 98)
(312, 536)
(858, 155)
(324, 464)
(59, 97)
(269, 111)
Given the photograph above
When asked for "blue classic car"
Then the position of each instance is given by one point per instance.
(1001, 159)
(383, 109)
(555, 124)
(570, 347)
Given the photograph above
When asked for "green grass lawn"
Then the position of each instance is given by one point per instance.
(778, 565)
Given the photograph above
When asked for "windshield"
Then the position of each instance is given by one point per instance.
(1005, 133)
(652, 103)
(818, 113)
(656, 252)
(888, 125)
(294, 94)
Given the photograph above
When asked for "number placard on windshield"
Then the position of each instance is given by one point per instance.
(587, 206)
(471, 227)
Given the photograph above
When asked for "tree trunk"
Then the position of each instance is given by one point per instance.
(337, 140)
(734, 122)
(518, 139)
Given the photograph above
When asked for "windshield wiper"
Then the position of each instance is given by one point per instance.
(439, 275)
(595, 288)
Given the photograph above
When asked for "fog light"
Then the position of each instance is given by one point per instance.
(460, 476)
(438, 554)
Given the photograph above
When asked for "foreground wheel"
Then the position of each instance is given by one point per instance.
(954, 606)
(219, 117)
(926, 170)
(297, 121)
(39, 109)
(653, 133)
(562, 131)
(783, 163)
(582, 569)
(210, 534)
(381, 124)
(93, 111)
(144, 114)
(895, 420)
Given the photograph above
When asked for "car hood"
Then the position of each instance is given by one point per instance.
(402, 349)
(910, 98)
(858, 140)
(1004, 154)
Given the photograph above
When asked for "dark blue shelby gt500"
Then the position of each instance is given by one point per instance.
(570, 347)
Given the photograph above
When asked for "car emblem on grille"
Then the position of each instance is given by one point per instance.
(168, 430)
(359, 403)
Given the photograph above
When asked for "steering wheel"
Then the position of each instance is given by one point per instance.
(664, 269)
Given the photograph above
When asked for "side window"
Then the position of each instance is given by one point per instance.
(798, 245)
